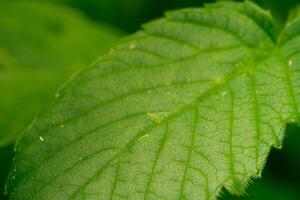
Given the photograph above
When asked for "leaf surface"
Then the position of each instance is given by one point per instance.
(188, 105)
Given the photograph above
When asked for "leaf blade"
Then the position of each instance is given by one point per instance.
(152, 123)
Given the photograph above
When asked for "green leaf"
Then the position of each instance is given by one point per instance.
(125, 14)
(189, 105)
(40, 46)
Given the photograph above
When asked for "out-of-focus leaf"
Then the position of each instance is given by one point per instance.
(44, 35)
(40, 45)
(127, 14)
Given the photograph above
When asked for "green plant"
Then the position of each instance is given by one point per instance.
(126, 14)
(189, 105)
(35, 60)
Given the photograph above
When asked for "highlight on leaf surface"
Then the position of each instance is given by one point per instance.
(189, 105)
(37, 53)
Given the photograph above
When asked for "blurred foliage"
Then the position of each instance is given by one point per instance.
(126, 14)
(40, 45)
(43, 41)
(130, 14)
(280, 8)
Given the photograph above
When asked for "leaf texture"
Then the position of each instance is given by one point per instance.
(187, 106)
